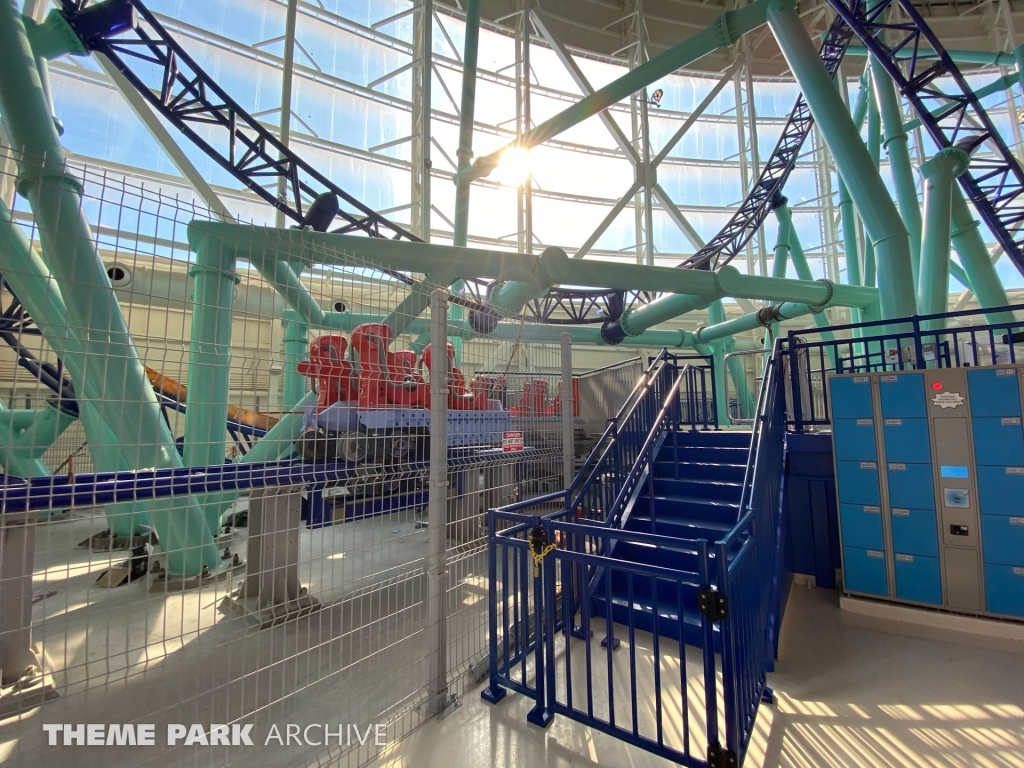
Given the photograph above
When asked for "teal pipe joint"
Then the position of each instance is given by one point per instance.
(550, 269)
(54, 37)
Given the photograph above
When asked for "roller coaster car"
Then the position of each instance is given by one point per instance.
(534, 399)
(377, 409)
(333, 376)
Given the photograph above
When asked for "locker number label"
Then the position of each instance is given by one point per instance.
(1005, 372)
(864, 422)
(860, 379)
(868, 465)
(898, 512)
(904, 558)
(877, 510)
(1018, 571)
(1017, 521)
(894, 422)
(1015, 470)
(888, 378)
(1010, 420)
(897, 467)
(948, 400)
(877, 554)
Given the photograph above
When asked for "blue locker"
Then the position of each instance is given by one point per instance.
(902, 396)
(858, 482)
(914, 531)
(861, 526)
(864, 571)
(1001, 490)
(850, 397)
(906, 440)
(993, 392)
(1004, 589)
(911, 485)
(917, 579)
(854, 439)
(1002, 539)
(998, 440)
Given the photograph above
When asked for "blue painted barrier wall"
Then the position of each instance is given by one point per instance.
(810, 509)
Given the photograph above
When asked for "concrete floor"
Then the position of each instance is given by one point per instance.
(853, 691)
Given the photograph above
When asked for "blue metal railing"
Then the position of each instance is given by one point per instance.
(749, 584)
(731, 585)
(598, 491)
(893, 345)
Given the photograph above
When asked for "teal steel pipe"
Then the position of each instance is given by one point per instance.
(26, 434)
(30, 280)
(464, 153)
(722, 32)
(889, 236)
(874, 145)
(959, 56)
(552, 266)
(634, 322)
(280, 275)
(53, 38)
(296, 340)
(277, 443)
(894, 139)
(974, 256)
(344, 250)
(751, 321)
(939, 174)
(209, 360)
(803, 269)
(999, 84)
(128, 404)
(1018, 58)
(417, 300)
(716, 315)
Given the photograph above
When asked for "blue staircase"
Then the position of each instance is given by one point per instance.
(694, 494)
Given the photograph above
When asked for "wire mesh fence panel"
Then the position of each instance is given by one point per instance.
(217, 443)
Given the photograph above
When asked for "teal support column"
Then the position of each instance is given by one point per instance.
(782, 247)
(939, 174)
(26, 434)
(209, 359)
(32, 282)
(716, 316)
(874, 145)
(296, 340)
(895, 142)
(1018, 58)
(277, 443)
(464, 153)
(974, 256)
(882, 220)
(126, 401)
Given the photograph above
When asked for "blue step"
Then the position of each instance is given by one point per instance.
(712, 454)
(721, 438)
(701, 470)
(678, 529)
(642, 608)
(691, 508)
(697, 486)
(719, 490)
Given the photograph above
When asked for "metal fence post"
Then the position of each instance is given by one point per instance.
(568, 409)
(437, 509)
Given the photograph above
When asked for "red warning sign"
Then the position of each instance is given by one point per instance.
(511, 441)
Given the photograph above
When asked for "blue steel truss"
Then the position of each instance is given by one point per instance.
(948, 108)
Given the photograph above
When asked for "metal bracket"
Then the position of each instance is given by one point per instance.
(720, 757)
(712, 604)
